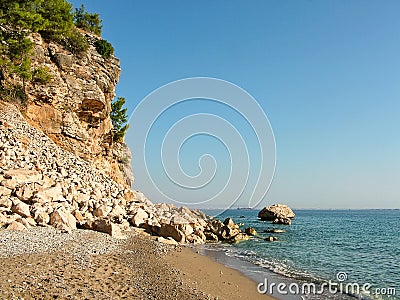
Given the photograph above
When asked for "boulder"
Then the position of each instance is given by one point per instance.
(228, 233)
(211, 236)
(186, 229)
(50, 194)
(250, 231)
(200, 214)
(271, 239)
(102, 211)
(194, 239)
(62, 219)
(24, 192)
(28, 222)
(200, 234)
(168, 230)
(139, 217)
(9, 183)
(169, 241)
(42, 218)
(16, 226)
(5, 202)
(239, 237)
(23, 175)
(79, 217)
(177, 219)
(276, 211)
(274, 230)
(215, 226)
(117, 211)
(106, 226)
(22, 209)
(5, 191)
(3, 220)
(229, 222)
(283, 221)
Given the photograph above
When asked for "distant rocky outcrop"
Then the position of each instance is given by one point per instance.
(277, 213)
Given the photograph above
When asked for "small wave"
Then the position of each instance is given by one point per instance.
(279, 267)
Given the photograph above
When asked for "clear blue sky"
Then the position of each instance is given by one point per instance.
(326, 73)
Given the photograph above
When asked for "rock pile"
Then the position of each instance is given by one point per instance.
(226, 231)
(44, 185)
(277, 213)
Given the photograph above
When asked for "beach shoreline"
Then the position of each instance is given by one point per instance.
(43, 263)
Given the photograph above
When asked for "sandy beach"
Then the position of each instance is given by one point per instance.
(43, 263)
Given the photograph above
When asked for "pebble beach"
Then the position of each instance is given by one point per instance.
(45, 263)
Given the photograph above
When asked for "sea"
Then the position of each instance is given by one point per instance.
(324, 254)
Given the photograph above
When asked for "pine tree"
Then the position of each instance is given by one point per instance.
(87, 21)
(53, 19)
(118, 119)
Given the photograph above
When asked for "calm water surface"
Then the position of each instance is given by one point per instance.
(361, 245)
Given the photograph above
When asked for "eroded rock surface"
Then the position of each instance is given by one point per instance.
(73, 108)
(278, 213)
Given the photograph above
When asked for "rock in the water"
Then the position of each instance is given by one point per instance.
(283, 221)
(228, 232)
(276, 211)
(229, 222)
(239, 237)
(274, 230)
(271, 239)
(250, 231)
(211, 236)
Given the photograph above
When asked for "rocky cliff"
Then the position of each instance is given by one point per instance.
(73, 108)
(60, 167)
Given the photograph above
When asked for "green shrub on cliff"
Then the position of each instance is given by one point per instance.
(118, 119)
(42, 75)
(75, 42)
(104, 48)
(54, 20)
(87, 21)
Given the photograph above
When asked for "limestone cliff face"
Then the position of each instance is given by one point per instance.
(73, 109)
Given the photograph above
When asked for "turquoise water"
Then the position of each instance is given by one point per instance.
(364, 244)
